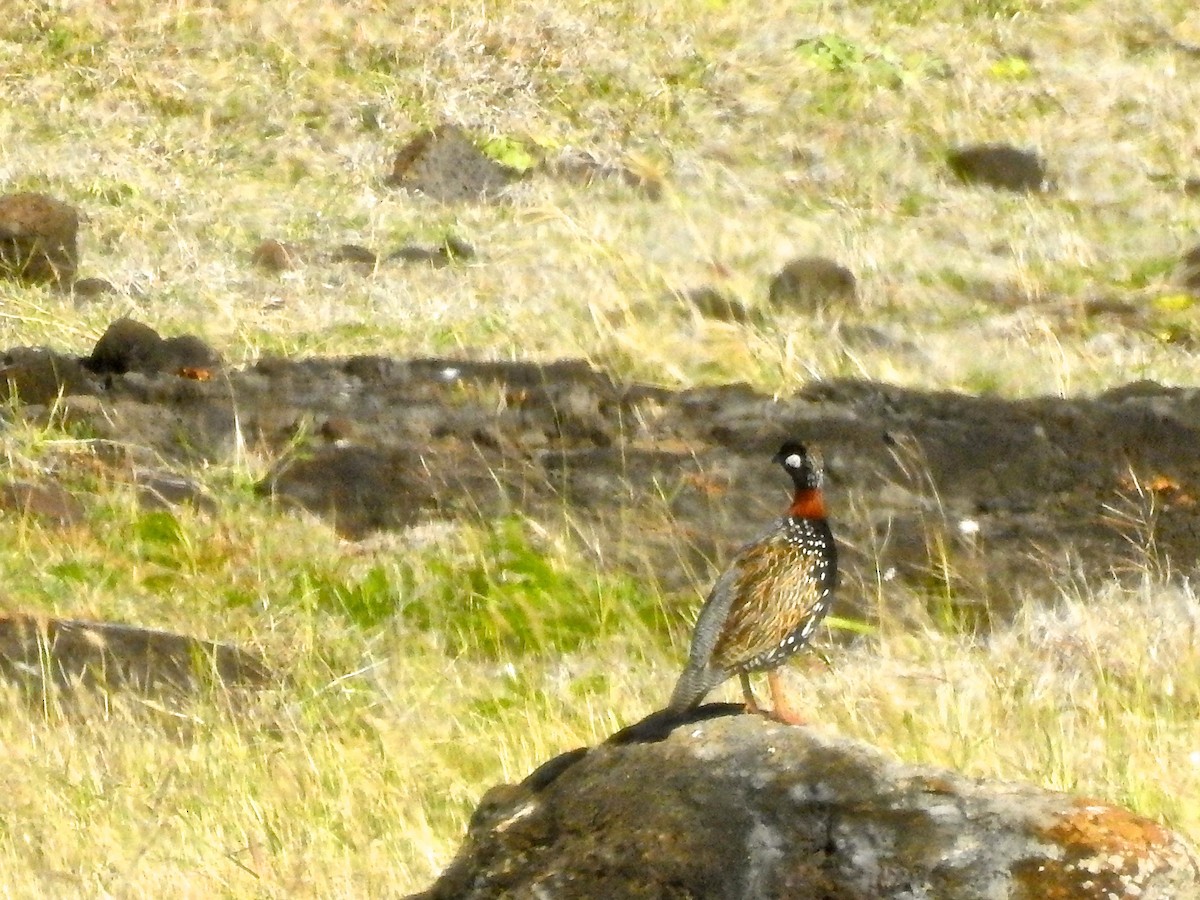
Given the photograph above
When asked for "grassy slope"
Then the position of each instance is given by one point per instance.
(188, 133)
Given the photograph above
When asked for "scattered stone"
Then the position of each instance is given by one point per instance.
(126, 346)
(452, 249)
(90, 288)
(276, 256)
(41, 653)
(742, 807)
(337, 429)
(40, 377)
(444, 164)
(812, 284)
(130, 346)
(38, 239)
(355, 253)
(999, 166)
(48, 502)
(713, 304)
(1116, 308)
(280, 256)
(583, 168)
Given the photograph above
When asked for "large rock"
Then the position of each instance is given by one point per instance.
(38, 653)
(813, 283)
(129, 346)
(1000, 166)
(38, 376)
(741, 807)
(38, 239)
(966, 492)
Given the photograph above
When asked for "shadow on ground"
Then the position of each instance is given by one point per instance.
(975, 501)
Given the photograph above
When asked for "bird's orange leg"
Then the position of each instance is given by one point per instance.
(784, 711)
(752, 706)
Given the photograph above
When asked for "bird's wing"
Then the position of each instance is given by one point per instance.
(772, 594)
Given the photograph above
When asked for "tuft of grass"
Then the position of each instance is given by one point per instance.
(507, 598)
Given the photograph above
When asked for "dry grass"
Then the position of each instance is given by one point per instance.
(188, 132)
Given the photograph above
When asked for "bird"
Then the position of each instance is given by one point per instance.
(769, 601)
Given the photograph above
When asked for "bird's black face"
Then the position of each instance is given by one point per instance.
(797, 462)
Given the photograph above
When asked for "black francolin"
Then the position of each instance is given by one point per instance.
(769, 601)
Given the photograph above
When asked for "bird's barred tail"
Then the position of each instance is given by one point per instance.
(691, 688)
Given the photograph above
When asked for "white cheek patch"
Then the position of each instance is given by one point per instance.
(794, 461)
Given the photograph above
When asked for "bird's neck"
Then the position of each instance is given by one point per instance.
(807, 503)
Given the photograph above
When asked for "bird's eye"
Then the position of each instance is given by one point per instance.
(794, 461)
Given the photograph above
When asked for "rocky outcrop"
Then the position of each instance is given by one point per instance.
(740, 807)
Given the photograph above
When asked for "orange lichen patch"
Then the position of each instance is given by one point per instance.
(195, 373)
(1094, 825)
(1104, 853)
(1163, 487)
(1161, 484)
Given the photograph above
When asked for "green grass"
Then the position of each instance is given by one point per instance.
(430, 664)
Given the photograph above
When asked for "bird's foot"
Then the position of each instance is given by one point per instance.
(785, 715)
(785, 712)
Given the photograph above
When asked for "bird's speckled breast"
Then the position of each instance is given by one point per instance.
(784, 589)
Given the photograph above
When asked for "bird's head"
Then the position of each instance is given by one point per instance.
(808, 501)
(804, 466)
